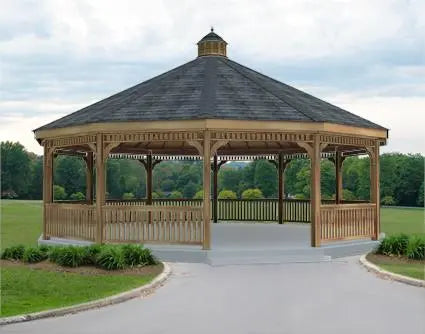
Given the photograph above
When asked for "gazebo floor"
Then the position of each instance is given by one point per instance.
(236, 243)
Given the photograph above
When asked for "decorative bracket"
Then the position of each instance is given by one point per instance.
(196, 144)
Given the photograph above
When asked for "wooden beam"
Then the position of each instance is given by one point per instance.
(47, 185)
(100, 187)
(375, 189)
(339, 159)
(149, 170)
(281, 167)
(207, 187)
(215, 189)
(89, 177)
(315, 192)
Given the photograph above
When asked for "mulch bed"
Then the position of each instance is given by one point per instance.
(85, 270)
(385, 259)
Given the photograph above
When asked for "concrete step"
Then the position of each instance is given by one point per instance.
(261, 259)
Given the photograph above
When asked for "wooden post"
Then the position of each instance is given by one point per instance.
(215, 189)
(207, 188)
(280, 171)
(100, 187)
(374, 187)
(149, 173)
(338, 178)
(47, 186)
(315, 193)
(89, 177)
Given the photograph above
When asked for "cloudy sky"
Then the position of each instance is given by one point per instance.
(365, 56)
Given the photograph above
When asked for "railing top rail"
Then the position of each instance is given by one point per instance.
(347, 206)
(153, 208)
(71, 205)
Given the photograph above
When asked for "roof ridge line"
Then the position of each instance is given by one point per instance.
(268, 91)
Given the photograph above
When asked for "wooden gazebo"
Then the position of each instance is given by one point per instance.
(213, 108)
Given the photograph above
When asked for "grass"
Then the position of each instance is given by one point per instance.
(25, 289)
(21, 222)
(399, 265)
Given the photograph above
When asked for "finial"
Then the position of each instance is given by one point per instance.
(212, 29)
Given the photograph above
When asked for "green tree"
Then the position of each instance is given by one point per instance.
(227, 194)
(252, 194)
(15, 169)
(59, 193)
(199, 195)
(128, 196)
(348, 195)
(69, 173)
(189, 190)
(265, 178)
(388, 200)
(420, 200)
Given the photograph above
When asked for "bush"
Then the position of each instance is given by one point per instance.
(128, 196)
(110, 258)
(34, 255)
(416, 248)
(70, 256)
(176, 194)
(78, 196)
(394, 245)
(90, 253)
(388, 200)
(13, 253)
(136, 255)
(199, 195)
(59, 192)
(252, 194)
(227, 194)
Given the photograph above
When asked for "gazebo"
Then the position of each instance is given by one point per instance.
(216, 110)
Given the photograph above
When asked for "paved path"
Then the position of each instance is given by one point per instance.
(336, 297)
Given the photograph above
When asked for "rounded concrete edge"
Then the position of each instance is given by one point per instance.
(115, 299)
(389, 275)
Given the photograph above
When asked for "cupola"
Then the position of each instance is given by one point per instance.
(212, 45)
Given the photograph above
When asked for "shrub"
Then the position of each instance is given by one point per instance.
(128, 196)
(110, 258)
(70, 256)
(136, 255)
(388, 200)
(227, 194)
(348, 195)
(34, 255)
(59, 192)
(78, 196)
(252, 194)
(13, 253)
(416, 248)
(176, 194)
(90, 254)
(199, 195)
(394, 245)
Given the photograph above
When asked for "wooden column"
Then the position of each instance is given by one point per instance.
(315, 193)
(89, 177)
(339, 159)
(100, 187)
(215, 189)
(207, 188)
(149, 172)
(374, 187)
(47, 185)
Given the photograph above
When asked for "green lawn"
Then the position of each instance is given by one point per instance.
(21, 222)
(25, 290)
(399, 265)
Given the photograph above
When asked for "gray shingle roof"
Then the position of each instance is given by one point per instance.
(211, 87)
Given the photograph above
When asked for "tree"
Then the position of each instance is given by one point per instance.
(227, 194)
(252, 194)
(388, 200)
(229, 178)
(348, 195)
(420, 200)
(265, 178)
(15, 168)
(189, 190)
(70, 173)
(59, 193)
(176, 194)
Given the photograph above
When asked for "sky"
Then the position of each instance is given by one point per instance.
(367, 57)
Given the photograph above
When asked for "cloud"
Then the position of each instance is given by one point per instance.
(366, 56)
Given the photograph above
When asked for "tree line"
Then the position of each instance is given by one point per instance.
(402, 178)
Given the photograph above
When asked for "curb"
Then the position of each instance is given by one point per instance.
(389, 275)
(142, 291)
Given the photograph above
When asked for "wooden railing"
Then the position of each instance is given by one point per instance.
(347, 221)
(146, 223)
(73, 221)
(245, 210)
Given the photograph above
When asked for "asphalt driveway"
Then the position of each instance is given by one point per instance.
(328, 297)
